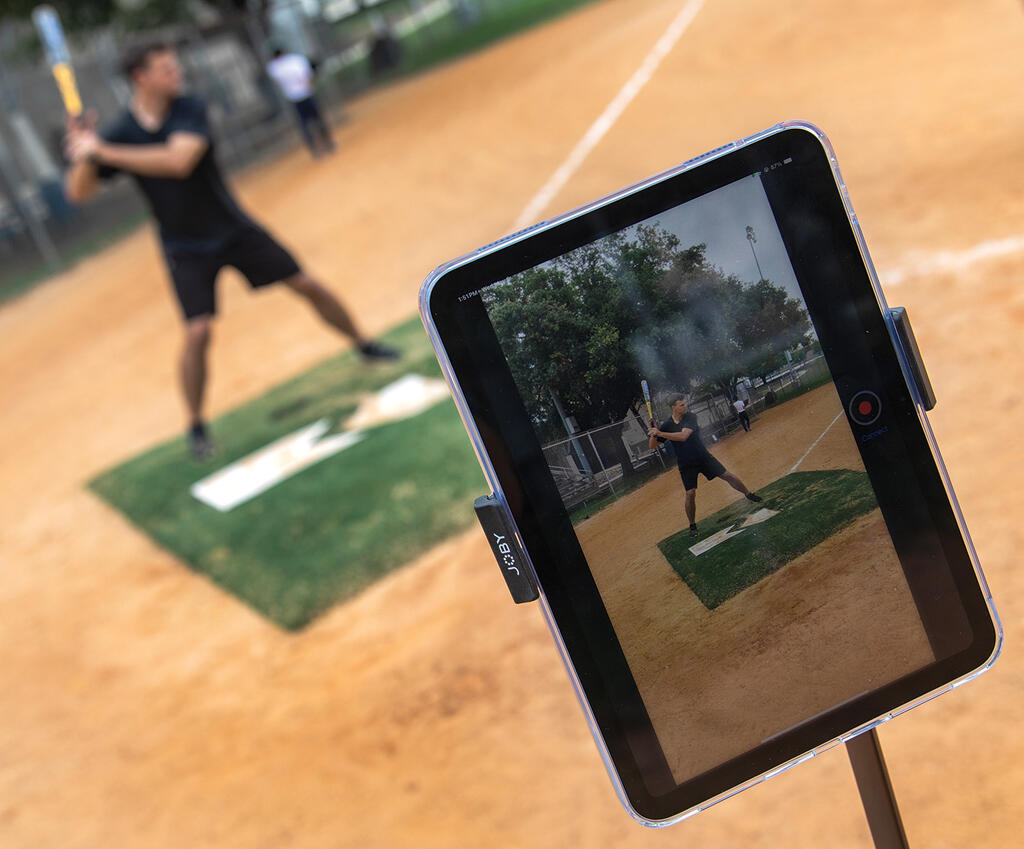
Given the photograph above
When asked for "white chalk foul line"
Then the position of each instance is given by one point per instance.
(611, 114)
(946, 261)
(815, 443)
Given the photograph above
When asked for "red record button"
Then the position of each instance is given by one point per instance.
(865, 408)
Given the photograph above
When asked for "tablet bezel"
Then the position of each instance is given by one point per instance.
(582, 628)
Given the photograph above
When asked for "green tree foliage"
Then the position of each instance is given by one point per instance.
(133, 18)
(591, 324)
(86, 14)
(137, 16)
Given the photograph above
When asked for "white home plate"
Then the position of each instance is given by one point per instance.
(407, 396)
(244, 479)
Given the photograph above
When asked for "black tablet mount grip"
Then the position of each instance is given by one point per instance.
(497, 525)
(864, 750)
(905, 332)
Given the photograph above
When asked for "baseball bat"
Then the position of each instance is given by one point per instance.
(647, 398)
(58, 57)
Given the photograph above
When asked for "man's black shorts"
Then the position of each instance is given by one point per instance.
(708, 466)
(252, 250)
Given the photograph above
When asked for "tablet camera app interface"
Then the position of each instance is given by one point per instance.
(672, 374)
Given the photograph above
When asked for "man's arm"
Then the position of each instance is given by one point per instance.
(81, 182)
(176, 158)
(656, 434)
(83, 176)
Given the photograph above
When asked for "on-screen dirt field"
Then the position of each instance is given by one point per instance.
(143, 707)
(831, 623)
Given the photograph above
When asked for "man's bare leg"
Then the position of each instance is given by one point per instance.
(690, 506)
(193, 365)
(193, 381)
(334, 313)
(326, 304)
(739, 486)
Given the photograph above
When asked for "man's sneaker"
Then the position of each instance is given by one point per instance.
(757, 499)
(693, 531)
(200, 445)
(379, 351)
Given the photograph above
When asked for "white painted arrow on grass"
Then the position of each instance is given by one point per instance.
(261, 470)
(255, 474)
(762, 515)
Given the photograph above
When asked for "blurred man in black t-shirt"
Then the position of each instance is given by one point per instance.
(682, 432)
(163, 140)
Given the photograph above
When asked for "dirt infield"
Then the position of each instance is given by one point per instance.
(802, 640)
(143, 707)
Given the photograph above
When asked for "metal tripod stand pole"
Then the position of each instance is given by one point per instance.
(876, 793)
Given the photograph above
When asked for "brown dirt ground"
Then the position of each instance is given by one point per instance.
(143, 707)
(810, 636)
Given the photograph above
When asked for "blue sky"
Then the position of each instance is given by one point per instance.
(720, 218)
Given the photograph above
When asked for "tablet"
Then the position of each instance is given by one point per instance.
(694, 407)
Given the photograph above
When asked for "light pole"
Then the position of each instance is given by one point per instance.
(752, 238)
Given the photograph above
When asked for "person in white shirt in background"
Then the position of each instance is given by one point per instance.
(741, 413)
(294, 75)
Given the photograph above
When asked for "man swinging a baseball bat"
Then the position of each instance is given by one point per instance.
(163, 140)
(682, 432)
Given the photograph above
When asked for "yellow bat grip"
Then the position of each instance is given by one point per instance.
(65, 77)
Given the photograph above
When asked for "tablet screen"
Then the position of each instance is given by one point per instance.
(763, 557)
(747, 569)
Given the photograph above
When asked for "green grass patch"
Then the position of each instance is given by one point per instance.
(331, 530)
(812, 506)
(449, 37)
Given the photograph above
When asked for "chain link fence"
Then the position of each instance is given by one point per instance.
(40, 231)
(355, 43)
(594, 463)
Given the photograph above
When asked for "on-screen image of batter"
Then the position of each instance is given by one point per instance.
(682, 432)
(164, 141)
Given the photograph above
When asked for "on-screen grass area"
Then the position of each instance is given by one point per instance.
(328, 532)
(812, 506)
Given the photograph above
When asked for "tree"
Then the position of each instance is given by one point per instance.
(591, 324)
(78, 15)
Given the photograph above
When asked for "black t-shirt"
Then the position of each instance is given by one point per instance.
(194, 214)
(691, 451)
